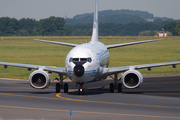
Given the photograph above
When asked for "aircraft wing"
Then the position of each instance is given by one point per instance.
(132, 43)
(114, 70)
(60, 43)
(58, 70)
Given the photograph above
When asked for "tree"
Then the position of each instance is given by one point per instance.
(27, 25)
(148, 33)
(170, 26)
(177, 28)
(8, 25)
(51, 25)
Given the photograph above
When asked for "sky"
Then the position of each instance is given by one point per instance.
(40, 9)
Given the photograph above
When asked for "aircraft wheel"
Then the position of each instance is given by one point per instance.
(65, 88)
(78, 91)
(111, 88)
(119, 88)
(58, 88)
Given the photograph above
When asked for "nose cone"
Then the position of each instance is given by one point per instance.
(79, 70)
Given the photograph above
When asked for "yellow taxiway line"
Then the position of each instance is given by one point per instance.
(78, 100)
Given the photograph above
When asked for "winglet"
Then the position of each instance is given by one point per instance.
(95, 24)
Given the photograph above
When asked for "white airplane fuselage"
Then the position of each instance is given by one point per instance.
(85, 62)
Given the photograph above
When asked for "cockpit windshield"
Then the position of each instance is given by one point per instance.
(75, 59)
(83, 59)
(80, 60)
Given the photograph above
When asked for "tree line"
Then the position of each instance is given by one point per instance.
(30, 27)
(124, 29)
(56, 26)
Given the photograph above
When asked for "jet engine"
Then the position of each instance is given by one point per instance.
(39, 79)
(132, 79)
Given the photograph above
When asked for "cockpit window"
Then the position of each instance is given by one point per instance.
(70, 60)
(83, 59)
(75, 59)
(89, 59)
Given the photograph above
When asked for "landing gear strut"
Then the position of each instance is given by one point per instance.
(115, 86)
(61, 85)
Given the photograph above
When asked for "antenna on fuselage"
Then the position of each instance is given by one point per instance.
(95, 23)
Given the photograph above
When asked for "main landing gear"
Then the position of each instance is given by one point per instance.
(61, 85)
(115, 86)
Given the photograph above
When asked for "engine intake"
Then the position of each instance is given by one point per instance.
(132, 79)
(39, 79)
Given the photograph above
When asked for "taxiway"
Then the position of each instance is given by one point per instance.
(158, 98)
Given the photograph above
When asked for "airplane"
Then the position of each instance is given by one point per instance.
(87, 63)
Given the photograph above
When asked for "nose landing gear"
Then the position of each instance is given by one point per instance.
(81, 89)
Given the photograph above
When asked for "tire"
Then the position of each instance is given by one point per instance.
(119, 88)
(111, 88)
(82, 93)
(58, 88)
(65, 88)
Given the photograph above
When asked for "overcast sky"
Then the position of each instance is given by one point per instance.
(39, 9)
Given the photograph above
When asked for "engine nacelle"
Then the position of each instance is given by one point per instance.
(39, 79)
(132, 79)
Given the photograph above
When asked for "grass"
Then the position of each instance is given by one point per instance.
(25, 50)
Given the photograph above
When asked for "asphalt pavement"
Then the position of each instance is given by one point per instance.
(158, 98)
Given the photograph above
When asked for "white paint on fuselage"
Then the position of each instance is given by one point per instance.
(99, 54)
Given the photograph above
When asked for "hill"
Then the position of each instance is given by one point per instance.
(117, 16)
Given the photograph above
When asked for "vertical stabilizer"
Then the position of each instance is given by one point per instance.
(95, 23)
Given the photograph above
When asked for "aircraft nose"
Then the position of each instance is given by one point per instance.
(79, 70)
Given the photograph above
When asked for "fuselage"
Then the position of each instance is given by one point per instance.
(85, 62)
